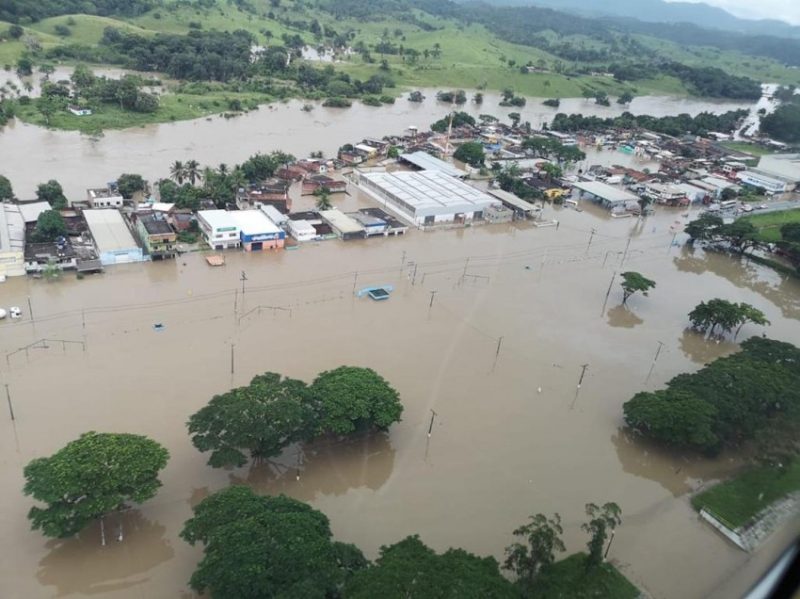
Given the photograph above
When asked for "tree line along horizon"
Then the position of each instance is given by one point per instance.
(249, 539)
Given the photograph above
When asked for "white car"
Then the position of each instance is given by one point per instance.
(747, 208)
(15, 312)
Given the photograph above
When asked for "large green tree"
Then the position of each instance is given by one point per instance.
(704, 228)
(634, 282)
(726, 315)
(752, 395)
(261, 418)
(92, 476)
(129, 184)
(53, 193)
(352, 398)
(541, 539)
(411, 569)
(257, 547)
(49, 226)
(470, 153)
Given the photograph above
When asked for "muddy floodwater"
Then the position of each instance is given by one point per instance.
(500, 449)
(30, 154)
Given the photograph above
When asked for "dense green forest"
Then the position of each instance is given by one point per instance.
(669, 125)
(28, 11)
(784, 123)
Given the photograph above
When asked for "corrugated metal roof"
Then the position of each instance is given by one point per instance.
(109, 230)
(608, 193)
(427, 162)
(340, 221)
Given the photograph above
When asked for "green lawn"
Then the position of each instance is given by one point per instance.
(769, 224)
(569, 579)
(748, 148)
(173, 107)
(736, 501)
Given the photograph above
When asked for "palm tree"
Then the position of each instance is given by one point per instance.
(222, 169)
(193, 171)
(178, 171)
(323, 198)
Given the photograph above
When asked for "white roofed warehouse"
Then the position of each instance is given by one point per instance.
(111, 235)
(427, 198)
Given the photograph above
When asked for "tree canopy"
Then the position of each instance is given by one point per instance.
(261, 418)
(601, 521)
(352, 398)
(460, 119)
(129, 184)
(53, 193)
(91, 476)
(633, 282)
(541, 540)
(707, 316)
(751, 395)
(470, 153)
(256, 547)
(409, 568)
(50, 226)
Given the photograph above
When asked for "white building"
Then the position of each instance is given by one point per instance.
(12, 241)
(273, 214)
(219, 229)
(302, 230)
(665, 194)
(344, 226)
(104, 198)
(427, 198)
(256, 231)
(113, 239)
(771, 183)
(777, 173)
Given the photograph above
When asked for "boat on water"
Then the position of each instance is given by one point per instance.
(376, 293)
(2, 314)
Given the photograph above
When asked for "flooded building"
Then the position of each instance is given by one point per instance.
(345, 227)
(157, 236)
(219, 229)
(427, 198)
(272, 192)
(12, 241)
(314, 182)
(519, 207)
(302, 230)
(425, 162)
(256, 231)
(113, 239)
(608, 196)
(275, 215)
(104, 197)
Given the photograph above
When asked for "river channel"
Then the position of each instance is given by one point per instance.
(511, 437)
(30, 155)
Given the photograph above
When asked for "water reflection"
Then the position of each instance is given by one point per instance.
(782, 291)
(83, 565)
(324, 467)
(621, 317)
(703, 350)
(678, 474)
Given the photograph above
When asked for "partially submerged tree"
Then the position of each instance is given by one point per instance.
(411, 569)
(602, 520)
(323, 198)
(128, 184)
(96, 474)
(257, 546)
(262, 419)
(6, 191)
(542, 538)
(634, 282)
(707, 316)
(53, 193)
(352, 398)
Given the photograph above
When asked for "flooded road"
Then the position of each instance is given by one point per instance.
(500, 450)
(30, 155)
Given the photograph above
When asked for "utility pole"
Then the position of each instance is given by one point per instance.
(433, 294)
(10, 407)
(611, 540)
(464, 274)
(243, 279)
(583, 373)
(233, 346)
(625, 253)
(355, 282)
(591, 236)
(605, 302)
(653, 364)
(403, 261)
(30, 308)
(430, 426)
(414, 276)
(497, 353)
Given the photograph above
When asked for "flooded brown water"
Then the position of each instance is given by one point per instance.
(30, 154)
(500, 450)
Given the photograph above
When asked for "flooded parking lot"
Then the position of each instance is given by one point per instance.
(500, 448)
